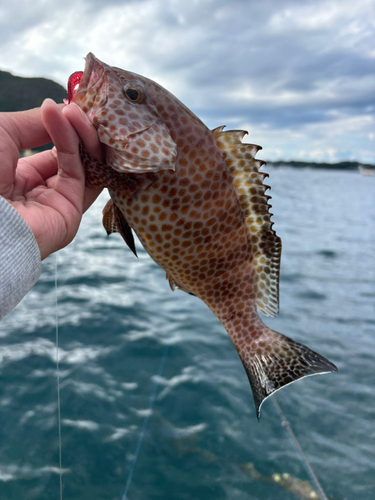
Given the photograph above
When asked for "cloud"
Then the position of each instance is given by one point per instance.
(300, 71)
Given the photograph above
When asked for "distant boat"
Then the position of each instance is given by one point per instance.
(366, 170)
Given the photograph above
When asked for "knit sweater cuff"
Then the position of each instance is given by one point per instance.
(20, 264)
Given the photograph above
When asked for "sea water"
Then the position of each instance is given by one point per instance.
(154, 400)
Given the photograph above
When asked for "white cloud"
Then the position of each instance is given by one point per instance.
(277, 65)
(309, 16)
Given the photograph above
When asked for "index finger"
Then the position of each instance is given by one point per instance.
(19, 130)
(25, 128)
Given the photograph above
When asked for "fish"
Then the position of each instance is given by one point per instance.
(301, 488)
(197, 202)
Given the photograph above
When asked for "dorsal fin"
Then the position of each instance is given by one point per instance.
(248, 183)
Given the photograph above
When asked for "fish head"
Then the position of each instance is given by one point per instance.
(117, 103)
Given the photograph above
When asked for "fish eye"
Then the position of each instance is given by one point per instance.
(134, 92)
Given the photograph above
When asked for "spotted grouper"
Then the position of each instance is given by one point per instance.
(196, 200)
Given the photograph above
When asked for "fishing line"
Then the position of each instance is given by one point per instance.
(145, 421)
(297, 447)
(58, 378)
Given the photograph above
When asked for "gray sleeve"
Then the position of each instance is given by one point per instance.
(20, 264)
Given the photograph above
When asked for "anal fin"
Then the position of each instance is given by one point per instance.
(178, 286)
(115, 222)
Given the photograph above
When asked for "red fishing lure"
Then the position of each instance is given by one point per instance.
(74, 80)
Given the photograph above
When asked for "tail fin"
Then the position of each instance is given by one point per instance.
(277, 362)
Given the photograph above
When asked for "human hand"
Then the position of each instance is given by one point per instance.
(48, 189)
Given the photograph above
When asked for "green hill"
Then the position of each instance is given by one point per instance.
(17, 94)
(343, 165)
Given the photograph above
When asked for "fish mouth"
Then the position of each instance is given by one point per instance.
(92, 74)
(87, 89)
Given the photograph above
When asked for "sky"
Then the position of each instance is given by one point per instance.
(299, 76)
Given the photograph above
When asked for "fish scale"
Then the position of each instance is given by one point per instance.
(196, 200)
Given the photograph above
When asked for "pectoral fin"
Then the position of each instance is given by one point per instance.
(102, 174)
(115, 222)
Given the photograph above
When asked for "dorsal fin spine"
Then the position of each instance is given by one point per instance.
(248, 184)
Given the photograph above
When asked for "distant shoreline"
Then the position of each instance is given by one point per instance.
(18, 93)
(343, 165)
(364, 168)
